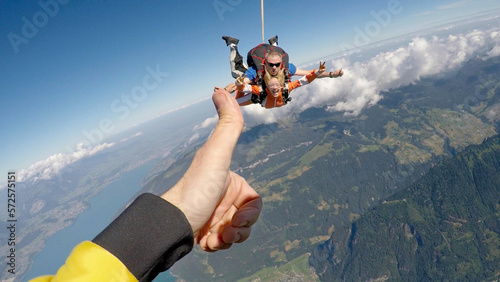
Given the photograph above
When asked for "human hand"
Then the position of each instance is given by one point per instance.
(321, 68)
(240, 80)
(219, 204)
(231, 87)
(337, 73)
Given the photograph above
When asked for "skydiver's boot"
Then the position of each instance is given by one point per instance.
(273, 40)
(230, 40)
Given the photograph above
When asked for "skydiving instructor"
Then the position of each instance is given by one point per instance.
(210, 206)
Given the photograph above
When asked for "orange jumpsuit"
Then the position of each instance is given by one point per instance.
(244, 92)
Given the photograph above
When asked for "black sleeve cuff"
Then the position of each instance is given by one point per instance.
(148, 237)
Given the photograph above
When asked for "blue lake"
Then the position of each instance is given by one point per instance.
(103, 208)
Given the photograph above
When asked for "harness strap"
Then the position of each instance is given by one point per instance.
(260, 99)
(285, 93)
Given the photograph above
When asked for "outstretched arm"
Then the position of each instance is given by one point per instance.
(241, 80)
(332, 74)
(244, 91)
(306, 79)
(231, 87)
(219, 204)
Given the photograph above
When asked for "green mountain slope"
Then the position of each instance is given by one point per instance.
(320, 171)
(443, 227)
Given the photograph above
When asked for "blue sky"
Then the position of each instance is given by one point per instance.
(76, 71)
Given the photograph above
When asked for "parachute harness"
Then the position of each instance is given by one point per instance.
(261, 98)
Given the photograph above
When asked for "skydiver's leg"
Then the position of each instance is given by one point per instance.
(238, 67)
(273, 40)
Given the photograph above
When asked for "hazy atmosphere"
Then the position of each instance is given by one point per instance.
(105, 100)
(75, 73)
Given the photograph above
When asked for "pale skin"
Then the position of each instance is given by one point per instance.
(272, 68)
(218, 203)
(274, 87)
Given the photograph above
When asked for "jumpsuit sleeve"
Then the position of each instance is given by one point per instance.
(248, 88)
(306, 79)
(292, 69)
(251, 73)
(146, 239)
(244, 94)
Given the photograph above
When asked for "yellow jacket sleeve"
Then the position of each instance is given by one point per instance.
(148, 237)
(89, 262)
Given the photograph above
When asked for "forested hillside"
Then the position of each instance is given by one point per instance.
(320, 171)
(446, 226)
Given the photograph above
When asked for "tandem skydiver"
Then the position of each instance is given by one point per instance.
(270, 65)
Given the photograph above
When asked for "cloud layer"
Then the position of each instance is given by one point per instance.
(50, 167)
(55, 164)
(362, 83)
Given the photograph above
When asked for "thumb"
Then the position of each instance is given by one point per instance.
(205, 182)
(230, 123)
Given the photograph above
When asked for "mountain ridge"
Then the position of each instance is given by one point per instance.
(444, 226)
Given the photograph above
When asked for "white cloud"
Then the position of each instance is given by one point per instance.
(132, 136)
(493, 52)
(363, 82)
(206, 123)
(193, 138)
(50, 167)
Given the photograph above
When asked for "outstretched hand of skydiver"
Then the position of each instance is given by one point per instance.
(240, 80)
(219, 204)
(321, 68)
(335, 74)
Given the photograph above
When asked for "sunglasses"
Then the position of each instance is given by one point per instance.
(274, 65)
